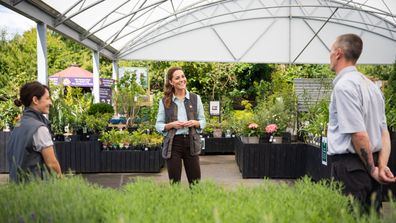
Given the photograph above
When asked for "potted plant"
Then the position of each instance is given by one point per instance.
(105, 139)
(126, 98)
(96, 123)
(114, 137)
(314, 121)
(155, 141)
(249, 131)
(207, 131)
(137, 140)
(241, 121)
(214, 126)
(272, 131)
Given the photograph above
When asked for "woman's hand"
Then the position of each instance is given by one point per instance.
(180, 124)
(191, 123)
(175, 125)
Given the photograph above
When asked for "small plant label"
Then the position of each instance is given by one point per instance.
(324, 150)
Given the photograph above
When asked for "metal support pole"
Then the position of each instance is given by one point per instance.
(95, 67)
(115, 78)
(42, 71)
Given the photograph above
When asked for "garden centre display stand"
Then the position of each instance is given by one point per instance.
(4, 137)
(270, 160)
(250, 139)
(88, 157)
(219, 145)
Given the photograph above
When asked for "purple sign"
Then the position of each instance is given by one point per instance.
(105, 82)
(105, 93)
(73, 81)
(81, 81)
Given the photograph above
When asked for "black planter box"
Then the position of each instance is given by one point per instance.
(131, 161)
(88, 157)
(314, 167)
(317, 171)
(79, 156)
(219, 145)
(392, 166)
(4, 137)
(270, 160)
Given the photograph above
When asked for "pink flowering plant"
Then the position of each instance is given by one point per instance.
(271, 129)
(253, 129)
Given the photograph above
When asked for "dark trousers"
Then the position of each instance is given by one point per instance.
(181, 151)
(350, 170)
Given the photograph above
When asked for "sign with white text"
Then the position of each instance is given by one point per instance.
(214, 108)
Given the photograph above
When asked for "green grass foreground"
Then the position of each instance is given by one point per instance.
(75, 200)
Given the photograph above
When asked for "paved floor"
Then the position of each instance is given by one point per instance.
(221, 169)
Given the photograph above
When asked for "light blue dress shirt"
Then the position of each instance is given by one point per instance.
(357, 105)
(181, 115)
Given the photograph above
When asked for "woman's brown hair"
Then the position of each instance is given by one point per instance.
(169, 90)
(28, 91)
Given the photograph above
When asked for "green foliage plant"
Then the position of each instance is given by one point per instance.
(76, 104)
(390, 97)
(147, 201)
(275, 110)
(105, 138)
(390, 113)
(242, 119)
(8, 113)
(100, 108)
(58, 109)
(138, 139)
(279, 105)
(98, 122)
(315, 120)
(125, 96)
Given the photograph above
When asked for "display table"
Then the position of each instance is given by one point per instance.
(88, 157)
(314, 167)
(4, 137)
(219, 145)
(149, 161)
(270, 160)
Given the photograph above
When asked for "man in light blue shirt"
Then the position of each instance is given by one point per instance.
(358, 137)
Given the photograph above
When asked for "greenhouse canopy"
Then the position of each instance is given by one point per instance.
(257, 31)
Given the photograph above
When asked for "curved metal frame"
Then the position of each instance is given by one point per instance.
(167, 27)
(140, 41)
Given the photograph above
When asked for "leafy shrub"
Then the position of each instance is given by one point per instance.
(75, 200)
(314, 121)
(98, 122)
(390, 93)
(100, 108)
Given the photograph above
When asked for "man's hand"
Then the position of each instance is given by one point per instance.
(385, 175)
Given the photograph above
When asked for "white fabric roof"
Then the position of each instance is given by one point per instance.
(265, 31)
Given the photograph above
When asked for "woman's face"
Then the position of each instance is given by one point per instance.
(178, 81)
(43, 104)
